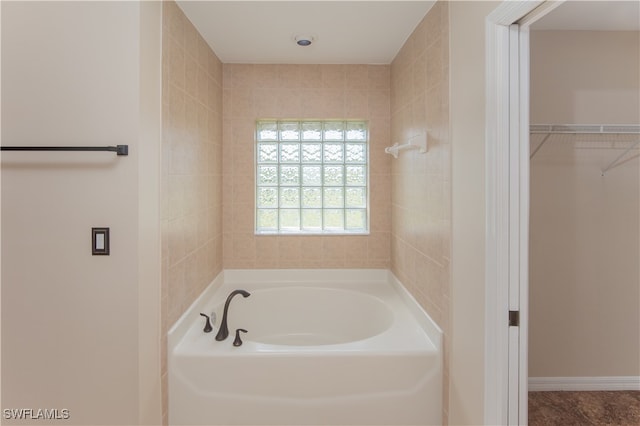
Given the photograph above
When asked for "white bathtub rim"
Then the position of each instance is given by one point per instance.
(180, 328)
(239, 276)
(326, 313)
(312, 277)
(432, 329)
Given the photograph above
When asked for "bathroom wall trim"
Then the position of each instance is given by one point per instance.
(613, 383)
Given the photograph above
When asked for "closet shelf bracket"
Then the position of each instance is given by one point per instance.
(614, 133)
(618, 160)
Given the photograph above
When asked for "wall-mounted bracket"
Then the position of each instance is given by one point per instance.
(418, 141)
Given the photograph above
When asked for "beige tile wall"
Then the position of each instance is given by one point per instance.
(421, 183)
(191, 169)
(302, 91)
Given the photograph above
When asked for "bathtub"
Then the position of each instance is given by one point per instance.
(323, 347)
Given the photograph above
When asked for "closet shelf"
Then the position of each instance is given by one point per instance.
(601, 129)
(604, 136)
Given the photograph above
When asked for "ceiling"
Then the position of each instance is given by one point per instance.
(355, 32)
(345, 32)
(592, 15)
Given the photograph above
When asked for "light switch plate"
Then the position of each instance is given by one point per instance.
(100, 241)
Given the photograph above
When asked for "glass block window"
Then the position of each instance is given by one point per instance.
(312, 177)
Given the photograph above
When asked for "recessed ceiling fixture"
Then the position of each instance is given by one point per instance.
(304, 40)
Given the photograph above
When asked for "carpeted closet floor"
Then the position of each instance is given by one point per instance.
(584, 408)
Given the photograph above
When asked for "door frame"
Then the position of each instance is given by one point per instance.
(507, 208)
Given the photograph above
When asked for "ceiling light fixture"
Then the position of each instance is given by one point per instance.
(304, 40)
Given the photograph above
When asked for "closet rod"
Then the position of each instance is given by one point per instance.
(118, 149)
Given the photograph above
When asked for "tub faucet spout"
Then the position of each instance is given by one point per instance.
(223, 332)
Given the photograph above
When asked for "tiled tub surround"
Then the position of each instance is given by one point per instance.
(191, 181)
(191, 162)
(421, 183)
(320, 92)
(329, 347)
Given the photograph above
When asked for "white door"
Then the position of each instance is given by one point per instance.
(518, 223)
(507, 227)
(507, 176)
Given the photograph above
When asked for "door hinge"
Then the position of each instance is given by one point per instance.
(514, 318)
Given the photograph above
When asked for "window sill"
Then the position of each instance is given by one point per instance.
(312, 234)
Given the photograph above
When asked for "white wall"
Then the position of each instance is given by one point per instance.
(70, 320)
(149, 245)
(467, 109)
(585, 77)
(585, 237)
